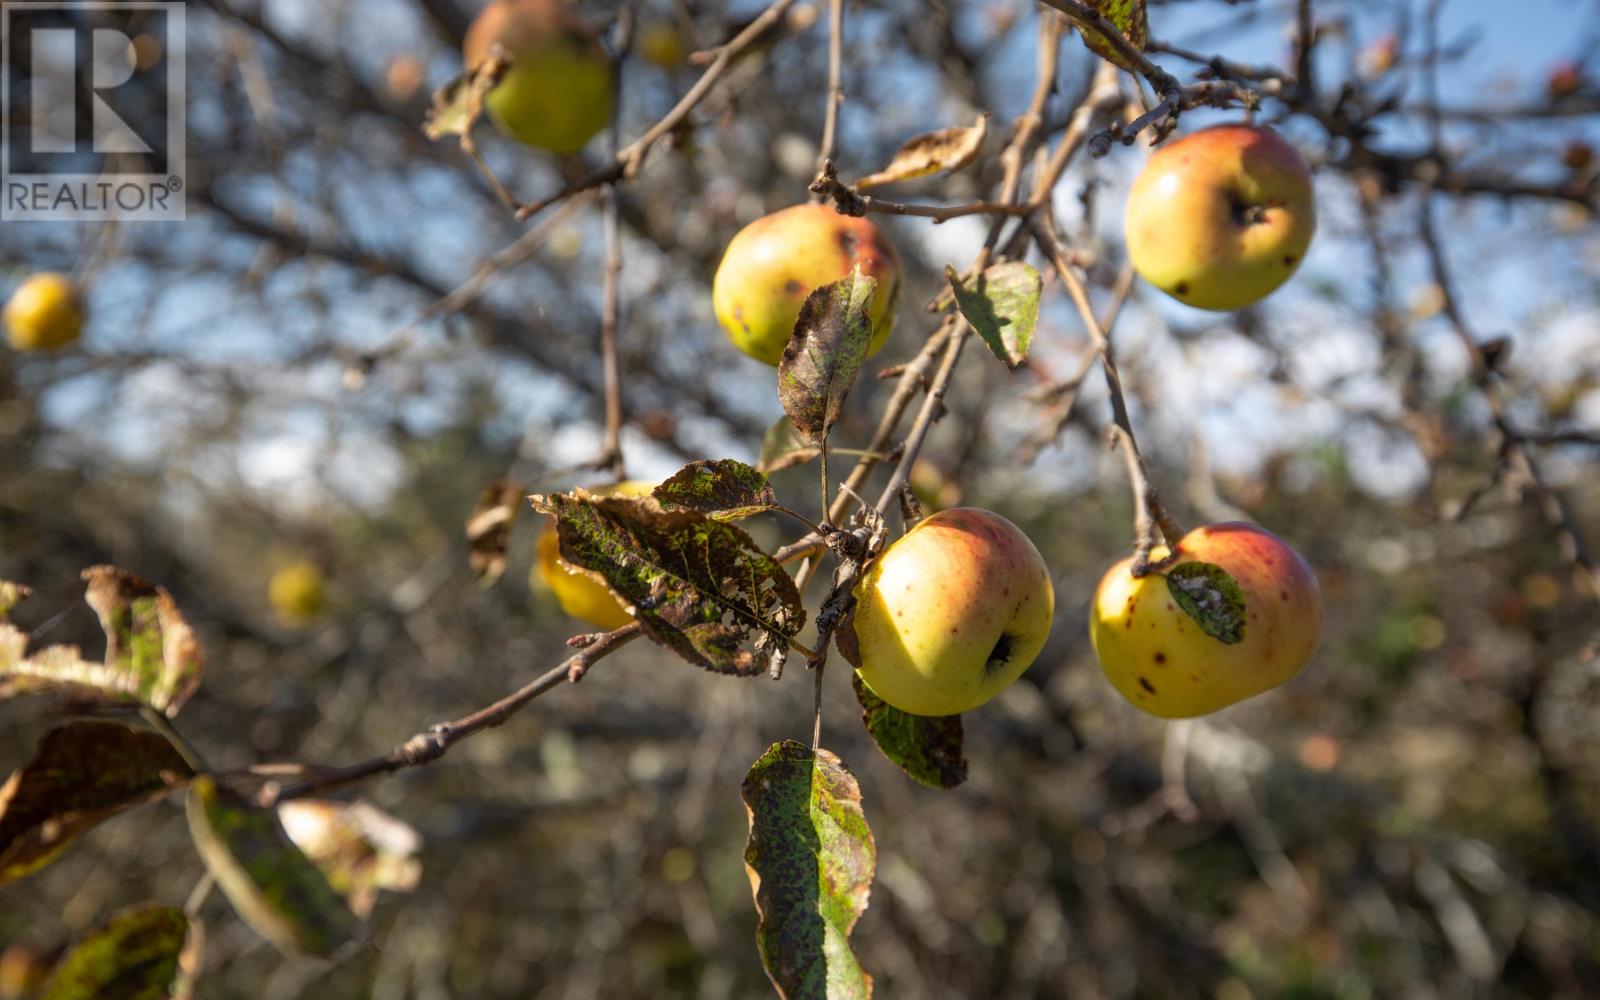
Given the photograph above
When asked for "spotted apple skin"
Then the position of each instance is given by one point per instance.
(1221, 218)
(952, 613)
(1160, 659)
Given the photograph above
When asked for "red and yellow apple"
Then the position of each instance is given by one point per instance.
(1161, 660)
(44, 313)
(952, 613)
(557, 93)
(772, 264)
(1221, 218)
(579, 594)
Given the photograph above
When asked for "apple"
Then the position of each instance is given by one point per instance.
(1158, 656)
(557, 93)
(1564, 80)
(662, 44)
(45, 313)
(772, 264)
(297, 592)
(1221, 218)
(579, 594)
(951, 613)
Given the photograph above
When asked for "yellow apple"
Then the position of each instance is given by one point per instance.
(580, 595)
(1220, 218)
(772, 264)
(44, 313)
(952, 613)
(1159, 658)
(662, 44)
(297, 592)
(557, 93)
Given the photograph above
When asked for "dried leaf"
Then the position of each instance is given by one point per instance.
(272, 885)
(132, 956)
(810, 859)
(926, 747)
(1003, 308)
(359, 847)
(152, 655)
(1129, 17)
(458, 105)
(81, 774)
(1209, 595)
(825, 353)
(11, 595)
(946, 150)
(700, 587)
(784, 448)
(720, 488)
(489, 529)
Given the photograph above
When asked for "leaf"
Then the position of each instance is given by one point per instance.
(810, 859)
(458, 104)
(946, 150)
(152, 656)
(699, 587)
(360, 848)
(825, 353)
(1211, 597)
(783, 447)
(1003, 308)
(132, 956)
(489, 529)
(11, 595)
(720, 488)
(926, 747)
(80, 775)
(1128, 17)
(272, 885)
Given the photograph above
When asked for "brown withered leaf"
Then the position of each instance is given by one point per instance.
(489, 529)
(943, 151)
(81, 774)
(152, 656)
(700, 587)
(359, 847)
(783, 447)
(825, 353)
(458, 104)
(722, 488)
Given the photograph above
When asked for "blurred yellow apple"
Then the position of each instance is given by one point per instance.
(557, 93)
(44, 313)
(297, 592)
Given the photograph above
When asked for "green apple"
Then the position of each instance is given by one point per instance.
(772, 264)
(297, 592)
(579, 594)
(949, 615)
(1221, 218)
(44, 313)
(557, 93)
(1161, 660)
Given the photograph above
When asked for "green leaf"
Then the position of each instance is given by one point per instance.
(272, 885)
(700, 587)
(152, 656)
(81, 774)
(783, 447)
(1211, 597)
(928, 748)
(825, 353)
(1128, 17)
(720, 488)
(810, 859)
(359, 847)
(944, 151)
(1003, 308)
(132, 956)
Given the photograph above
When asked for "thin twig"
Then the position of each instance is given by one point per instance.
(830, 120)
(610, 458)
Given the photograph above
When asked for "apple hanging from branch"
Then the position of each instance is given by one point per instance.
(1219, 219)
(771, 265)
(1238, 613)
(557, 92)
(46, 312)
(952, 613)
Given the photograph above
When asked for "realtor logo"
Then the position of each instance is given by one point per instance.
(92, 111)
